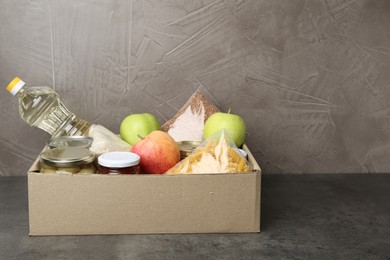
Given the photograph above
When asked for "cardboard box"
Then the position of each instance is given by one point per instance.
(142, 204)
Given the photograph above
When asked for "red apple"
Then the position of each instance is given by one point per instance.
(158, 151)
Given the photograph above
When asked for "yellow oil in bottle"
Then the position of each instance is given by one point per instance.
(41, 107)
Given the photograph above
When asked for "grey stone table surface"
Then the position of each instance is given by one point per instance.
(330, 216)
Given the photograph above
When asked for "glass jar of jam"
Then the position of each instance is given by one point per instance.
(118, 163)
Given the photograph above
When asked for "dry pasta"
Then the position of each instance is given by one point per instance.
(217, 156)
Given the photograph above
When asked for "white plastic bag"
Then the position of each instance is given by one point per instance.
(106, 141)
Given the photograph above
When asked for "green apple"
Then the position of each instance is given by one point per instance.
(233, 123)
(138, 125)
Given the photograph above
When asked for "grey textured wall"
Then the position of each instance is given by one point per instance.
(311, 78)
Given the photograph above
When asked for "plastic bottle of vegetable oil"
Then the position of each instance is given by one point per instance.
(41, 107)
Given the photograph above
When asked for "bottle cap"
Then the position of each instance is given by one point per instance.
(119, 159)
(15, 85)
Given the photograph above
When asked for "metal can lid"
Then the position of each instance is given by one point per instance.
(187, 147)
(70, 141)
(67, 156)
(119, 159)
